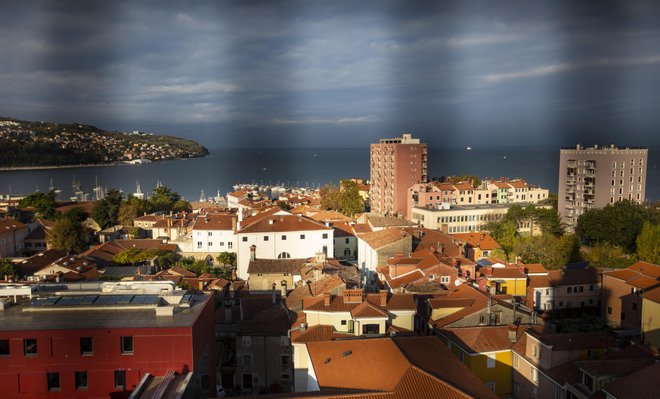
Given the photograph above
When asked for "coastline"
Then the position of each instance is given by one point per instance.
(52, 167)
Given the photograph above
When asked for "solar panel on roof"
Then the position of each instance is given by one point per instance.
(145, 299)
(484, 262)
(87, 299)
(45, 301)
(125, 299)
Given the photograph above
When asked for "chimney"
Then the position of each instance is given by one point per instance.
(253, 252)
(233, 223)
(326, 299)
(383, 298)
(432, 250)
(513, 333)
(200, 284)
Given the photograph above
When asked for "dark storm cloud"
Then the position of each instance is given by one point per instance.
(313, 73)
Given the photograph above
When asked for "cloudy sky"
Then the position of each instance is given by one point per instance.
(339, 73)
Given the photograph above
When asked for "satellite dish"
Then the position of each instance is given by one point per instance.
(458, 281)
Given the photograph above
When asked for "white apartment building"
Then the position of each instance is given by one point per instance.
(213, 234)
(277, 234)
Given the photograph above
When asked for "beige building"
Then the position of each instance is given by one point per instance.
(12, 237)
(651, 317)
(596, 176)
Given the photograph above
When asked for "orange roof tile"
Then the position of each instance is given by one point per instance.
(482, 240)
(483, 339)
(367, 310)
(281, 222)
(382, 238)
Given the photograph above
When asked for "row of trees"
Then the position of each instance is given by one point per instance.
(345, 199)
(166, 259)
(614, 236)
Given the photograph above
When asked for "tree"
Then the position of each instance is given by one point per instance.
(131, 209)
(198, 267)
(181, 206)
(227, 259)
(350, 200)
(618, 224)
(506, 234)
(76, 214)
(604, 254)
(132, 256)
(163, 199)
(8, 269)
(549, 250)
(648, 243)
(330, 197)
(106, 211)
(67, 235)
(283, 205)
(43, 202)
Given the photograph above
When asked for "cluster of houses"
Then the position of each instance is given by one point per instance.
(371, 306)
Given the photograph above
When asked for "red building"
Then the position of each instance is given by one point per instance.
(396, 164)
(101, 346)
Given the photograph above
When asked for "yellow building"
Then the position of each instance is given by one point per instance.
(651, 317)
(487, 351)
(504, 279)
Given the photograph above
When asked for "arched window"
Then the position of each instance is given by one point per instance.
(284, 255)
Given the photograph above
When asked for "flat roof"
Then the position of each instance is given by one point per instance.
(97, 312)
(482, 206)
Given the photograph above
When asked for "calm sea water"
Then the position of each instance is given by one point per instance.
(301, 167)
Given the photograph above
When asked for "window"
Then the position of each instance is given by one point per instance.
(81, 379)
(347, 240)
(53, 381)
(302, 236)
(325, 235)
(246, 341)
(244, 239)
(284, 255)
(634, 306)
(126, 345)
(609, 310)
(535, 351)
(444, 279)
(247, 361)
(284, 237)
(591, 287)
(559, 394)
(86, 346)
(285, 377)
(247, 381)
(534, 374)
(569, 290)
(491, 385)
(343, 322)
(30, 347)
(230, 245)
(490, 361)
(265, 238)
(515, 361)
(120, 379)
(210, 234)
(4, 347)
(286, 361)
(199, 244)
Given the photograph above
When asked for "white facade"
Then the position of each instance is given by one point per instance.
(367, 256)
(214, 241)
(566, 296)
(345, 247)
(282, 244)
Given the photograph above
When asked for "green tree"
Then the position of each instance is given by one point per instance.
(549, 250)
(618, 224)
(181, 206)
(330, 197)
(43, 202)
(8, 268)
(227, 259)
(350, 200)
(106, 211)
(132, 256)
(283, 205)
(198, 267)
(67, 235)
(76, 214)
(648, 243)
(506, 234)
(130, 209)
(163, 199)
(604, 254)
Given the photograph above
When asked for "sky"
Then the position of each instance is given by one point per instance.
(339, 73)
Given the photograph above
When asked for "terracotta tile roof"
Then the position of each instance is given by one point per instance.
(330, 216)
(11, 225)
(328, 283)
(360, 228)
(652, 295)
(343, 229)
(282, 222)
(318, 333)
(642, 384)
(382, 238)
(37, 262)
(646, 268)
(304, 210)
(401, 280)
(213, 221)
(367, 310)
(435, 239)
(440, 303)
(634, 278)
(463, 186)
(338, 303)
(104, 253)
(260, 316)
(482, 240)
(176, 270)
(573, 276)
(387, 221)
(484, 339)
(535, 268)
(269, 266)
(147, 218)
(463, 291)
(238, 194)
(508, 272)
(564, 342)
(87, 206)
(518, 183)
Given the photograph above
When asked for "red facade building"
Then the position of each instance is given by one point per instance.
(396, 164)
(101, 346)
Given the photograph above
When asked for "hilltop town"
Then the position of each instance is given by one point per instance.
(32, 144)
(392, 287)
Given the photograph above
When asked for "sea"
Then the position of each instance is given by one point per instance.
(300, 167)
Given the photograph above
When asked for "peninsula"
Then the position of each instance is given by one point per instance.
(42, 144)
